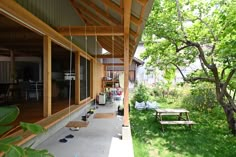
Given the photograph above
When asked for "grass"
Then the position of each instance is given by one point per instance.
(210, 137)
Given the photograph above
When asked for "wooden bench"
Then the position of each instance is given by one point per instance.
(177, 122)
(190, 123)
(183, 117)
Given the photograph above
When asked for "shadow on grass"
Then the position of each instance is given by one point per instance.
(209, 137)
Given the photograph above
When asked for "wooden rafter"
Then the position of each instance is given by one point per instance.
(108, 46)
(106, 8)
(142, 13)
(109, 43)
(120, 11)
(91, 30)
(142, 2)
(21, 15)
(96, 19)
(117, 41)
(115, 64)
(110, 19)
(121, 7)
(99, 11)
(78, 12)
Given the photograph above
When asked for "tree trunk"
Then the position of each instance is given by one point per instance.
(229, 112)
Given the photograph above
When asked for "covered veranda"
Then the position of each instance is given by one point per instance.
(47, 32)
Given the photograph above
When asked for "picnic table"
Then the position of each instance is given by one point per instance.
(182, 117)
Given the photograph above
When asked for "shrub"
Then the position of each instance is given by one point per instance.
(141, 93)
(202, 97)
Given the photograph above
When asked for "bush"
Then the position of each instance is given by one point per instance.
(202, 97)
(141, 93)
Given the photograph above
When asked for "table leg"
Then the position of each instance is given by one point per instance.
(180, 116)
(188, 119)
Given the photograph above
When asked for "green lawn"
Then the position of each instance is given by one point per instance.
(209, 137)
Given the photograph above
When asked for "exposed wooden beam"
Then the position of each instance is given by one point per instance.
(91, 30)
(100, 12)
(117, 42)
(78, 11)
(113, 6)
(115, 64)
(122, 7)
(110, 56)
(120, 11)
(105, 44)
(97, 20)
(110, 19)
(19, 14)
(142, 2)
(106, 8)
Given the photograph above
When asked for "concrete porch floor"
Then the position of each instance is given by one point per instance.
(101, 138)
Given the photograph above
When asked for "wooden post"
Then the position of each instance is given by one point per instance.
(47, 104)
(126, 80)
(77, 78)
(127, 13)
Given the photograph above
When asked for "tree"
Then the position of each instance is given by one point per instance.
(184, 31)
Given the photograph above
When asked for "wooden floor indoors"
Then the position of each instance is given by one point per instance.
(32, 111)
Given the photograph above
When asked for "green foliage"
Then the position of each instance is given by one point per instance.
(34, 128)
(171, 27)
(7, 116)
(182, 32)
(141, 93)
(202, 97)
(179, 141)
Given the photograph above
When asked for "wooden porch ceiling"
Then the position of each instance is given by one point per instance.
(100, 22)
(103, 18)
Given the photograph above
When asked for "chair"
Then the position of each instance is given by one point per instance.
(4, 93)
(32, 90)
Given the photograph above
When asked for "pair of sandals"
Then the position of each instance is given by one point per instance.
(64, 140)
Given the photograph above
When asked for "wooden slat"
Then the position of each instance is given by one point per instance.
(91, 30)
(177, 122)
(47, 79)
